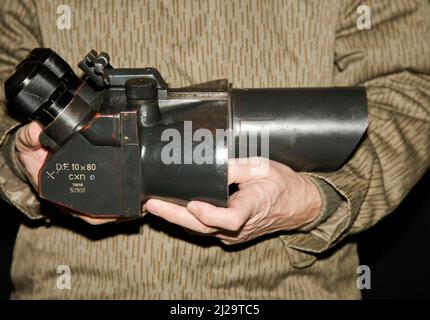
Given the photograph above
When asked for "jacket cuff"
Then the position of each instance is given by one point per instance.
(14, 186)
(330, 202)
(10, 156)
(322, 233)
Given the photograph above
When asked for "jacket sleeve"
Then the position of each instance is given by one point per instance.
(19, 31)
(392, 60)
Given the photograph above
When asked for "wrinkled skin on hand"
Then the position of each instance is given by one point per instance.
(269, 200)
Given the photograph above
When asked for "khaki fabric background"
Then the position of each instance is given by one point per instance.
(253, 44)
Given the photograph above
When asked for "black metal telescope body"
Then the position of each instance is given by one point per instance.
(118, 137)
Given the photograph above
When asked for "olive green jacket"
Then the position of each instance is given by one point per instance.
(253, 43)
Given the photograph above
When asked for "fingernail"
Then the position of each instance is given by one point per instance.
(193, 208)
(153, 206)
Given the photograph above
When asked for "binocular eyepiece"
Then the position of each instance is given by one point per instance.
(43, 88)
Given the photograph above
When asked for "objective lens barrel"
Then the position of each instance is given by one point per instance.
(307, 128)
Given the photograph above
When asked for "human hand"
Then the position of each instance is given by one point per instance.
(279, 199)
(31, 155)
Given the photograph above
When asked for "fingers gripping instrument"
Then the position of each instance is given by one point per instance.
(118, 137)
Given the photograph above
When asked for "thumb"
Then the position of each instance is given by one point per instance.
(28, 137)
(245, 169)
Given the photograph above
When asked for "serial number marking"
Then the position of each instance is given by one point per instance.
(77, 190)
